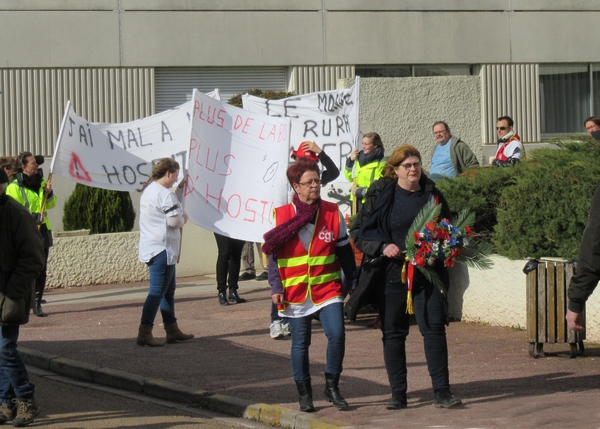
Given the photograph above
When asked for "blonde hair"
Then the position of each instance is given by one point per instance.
(399, 155)
(162, 167)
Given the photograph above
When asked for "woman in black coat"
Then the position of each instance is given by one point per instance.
(380, 232)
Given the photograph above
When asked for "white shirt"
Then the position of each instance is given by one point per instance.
(156, 205)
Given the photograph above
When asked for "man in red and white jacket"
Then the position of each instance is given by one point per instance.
(510, 147)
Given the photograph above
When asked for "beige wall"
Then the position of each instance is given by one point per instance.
(403, 110)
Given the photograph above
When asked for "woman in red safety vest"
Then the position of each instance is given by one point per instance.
(307, 249)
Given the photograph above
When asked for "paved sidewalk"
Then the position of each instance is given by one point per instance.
(234, 363)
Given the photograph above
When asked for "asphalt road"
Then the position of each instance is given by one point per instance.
(67, 403)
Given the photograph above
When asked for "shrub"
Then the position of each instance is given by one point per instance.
(236, 100)
(98, 210)
(537, 208)
(479, 192)
(545, 211)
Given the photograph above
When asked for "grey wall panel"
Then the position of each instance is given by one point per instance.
(33, 102)
(229, 5)
(221, 39)
(417, 5)
(561, 37)
(59, 5)
(413, 37)
(59, 39)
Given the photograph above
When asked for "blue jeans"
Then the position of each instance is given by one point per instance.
(332, 319)
(162, 291)
(14, 381)
(431, 319)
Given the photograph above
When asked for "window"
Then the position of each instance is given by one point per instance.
(413, 71)
(565, 97)
(383, 71)
(442, 70)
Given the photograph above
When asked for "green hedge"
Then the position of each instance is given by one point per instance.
(99, 210)
(236, 100)
(537, 208)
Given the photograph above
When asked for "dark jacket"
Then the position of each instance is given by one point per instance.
(22, 259)
(586, 278)
(372, 277)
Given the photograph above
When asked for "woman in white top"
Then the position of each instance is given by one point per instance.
(161, 219)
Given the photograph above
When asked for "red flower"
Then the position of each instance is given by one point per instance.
(430, 226)
(419, 260)
(417, 237)
(449, 262)
(469, 231)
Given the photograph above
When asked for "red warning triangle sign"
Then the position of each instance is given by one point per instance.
(76, 169)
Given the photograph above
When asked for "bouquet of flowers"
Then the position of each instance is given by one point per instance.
(448, 241)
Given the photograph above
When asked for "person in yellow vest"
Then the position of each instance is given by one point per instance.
(364, 167)
(30, 189)
(308, 249)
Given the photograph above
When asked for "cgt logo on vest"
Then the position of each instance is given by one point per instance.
(326, 236)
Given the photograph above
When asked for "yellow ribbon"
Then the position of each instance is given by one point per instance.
(404, 276)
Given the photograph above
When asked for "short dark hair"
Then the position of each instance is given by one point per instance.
(508, 119)
(593, 119)
(441, 123)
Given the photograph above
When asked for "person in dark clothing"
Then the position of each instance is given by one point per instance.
(587, 275)
(380, 232)
(229, 260)
(35, 193)
(22, 259)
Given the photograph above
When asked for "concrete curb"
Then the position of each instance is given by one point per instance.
(268, 414)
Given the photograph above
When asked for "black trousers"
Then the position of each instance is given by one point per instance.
(430, 313)
(229, 261)
(40, 282)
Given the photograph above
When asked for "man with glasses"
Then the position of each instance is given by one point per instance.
(451, 156)
(592, 126)
(510, 147)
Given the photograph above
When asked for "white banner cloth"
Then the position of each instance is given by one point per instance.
(120, 156)
(236, 170)
(329, 118)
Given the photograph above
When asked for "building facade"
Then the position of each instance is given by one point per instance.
(119, 60)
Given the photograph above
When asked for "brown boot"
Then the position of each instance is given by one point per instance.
(145, 337)
(174, 334)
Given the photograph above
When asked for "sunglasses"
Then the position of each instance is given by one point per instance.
(500, 128)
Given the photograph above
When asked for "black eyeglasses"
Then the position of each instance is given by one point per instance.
(500, 128)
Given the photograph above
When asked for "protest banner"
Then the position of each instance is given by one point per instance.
(329, 118)
(120, 156)
(236, 170)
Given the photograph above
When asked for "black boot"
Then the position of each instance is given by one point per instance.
(445, 399)
(223, 298)
(332, 392)
(37, 304)
(234, 297)
(305, 396)
(397, 401)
